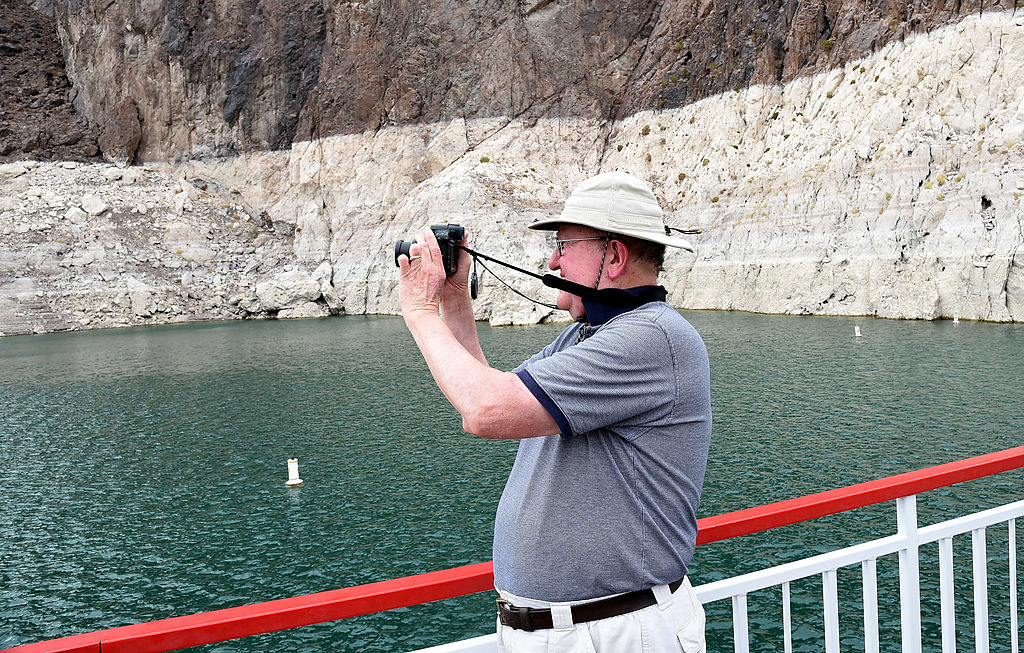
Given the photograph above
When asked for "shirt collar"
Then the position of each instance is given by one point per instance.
(599, 313)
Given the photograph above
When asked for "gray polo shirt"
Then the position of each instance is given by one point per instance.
(609, 505)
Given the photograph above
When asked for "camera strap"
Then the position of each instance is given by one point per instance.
(609, 296)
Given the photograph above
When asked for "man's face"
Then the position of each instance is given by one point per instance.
(579, 262)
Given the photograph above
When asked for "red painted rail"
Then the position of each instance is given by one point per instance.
(830, 502)
(242, 621)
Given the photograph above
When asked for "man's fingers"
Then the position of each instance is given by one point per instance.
(422, 249)
(419, 250)
(405, 260)
(425, 247)
(431, 248)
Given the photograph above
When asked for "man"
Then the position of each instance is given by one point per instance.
(597, 523)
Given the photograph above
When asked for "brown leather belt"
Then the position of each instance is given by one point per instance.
(531, 619)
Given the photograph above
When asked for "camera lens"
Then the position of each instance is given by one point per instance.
(402, 247)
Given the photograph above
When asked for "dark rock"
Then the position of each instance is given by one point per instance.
(30, 143)
(71, 138)
(271, 73)
(34, 104)
(121, 133)
(90, 148)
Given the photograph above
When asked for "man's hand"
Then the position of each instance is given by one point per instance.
(493, 404)
(421, 277)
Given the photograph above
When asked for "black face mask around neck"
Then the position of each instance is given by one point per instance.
(597, 311)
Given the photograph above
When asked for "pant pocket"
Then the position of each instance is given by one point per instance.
(691, 636)
(576, 640)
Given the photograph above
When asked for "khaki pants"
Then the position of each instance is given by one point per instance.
(675, 623)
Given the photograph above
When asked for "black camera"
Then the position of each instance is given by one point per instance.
(448, 236)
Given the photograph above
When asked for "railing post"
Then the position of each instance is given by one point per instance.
(740, 633)
(787, 620)
(947, 598)
(1012, 542)
(910, 574)
(830, 597)
(869, 570)
(980, 554)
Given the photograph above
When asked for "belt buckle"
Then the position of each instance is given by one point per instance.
(504, 607)
(521, 616)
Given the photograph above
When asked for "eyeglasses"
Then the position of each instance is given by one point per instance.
(560, 242)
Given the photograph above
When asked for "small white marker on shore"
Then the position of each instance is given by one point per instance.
(293, 473)
(856, 331)
(956, 318)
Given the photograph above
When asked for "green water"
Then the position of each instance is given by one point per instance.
(145, 468)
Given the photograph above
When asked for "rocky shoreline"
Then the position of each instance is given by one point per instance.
(89, 245)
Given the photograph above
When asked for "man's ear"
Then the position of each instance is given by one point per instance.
(618, 258)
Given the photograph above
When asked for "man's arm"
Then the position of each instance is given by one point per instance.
(462, 324)
(457, 307)
(493, 404)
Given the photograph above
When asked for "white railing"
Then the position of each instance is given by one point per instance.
(906, 543)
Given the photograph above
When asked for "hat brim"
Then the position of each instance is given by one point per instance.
(552, 224)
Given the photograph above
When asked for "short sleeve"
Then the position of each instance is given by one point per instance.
(623, 375)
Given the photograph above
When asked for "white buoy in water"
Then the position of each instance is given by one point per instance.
(956, 318)
(856, 331)
(293, 473)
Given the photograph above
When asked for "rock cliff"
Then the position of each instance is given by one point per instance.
(219, 77)
(37, 120)
(840, 158)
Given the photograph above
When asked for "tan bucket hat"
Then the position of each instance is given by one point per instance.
(619, 203)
